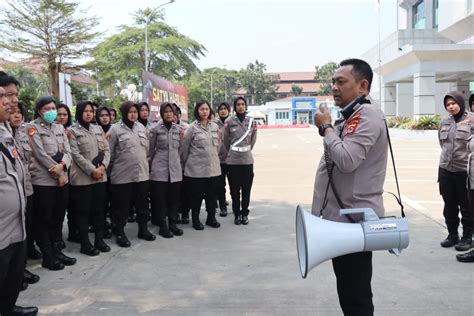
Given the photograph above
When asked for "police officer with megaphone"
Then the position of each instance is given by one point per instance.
(351, 174)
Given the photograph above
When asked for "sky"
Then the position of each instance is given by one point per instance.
(285, 35)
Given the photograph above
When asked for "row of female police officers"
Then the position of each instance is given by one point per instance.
(139, 163)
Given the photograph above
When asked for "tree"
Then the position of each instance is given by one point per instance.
(224, 85)
(259, 85)
(49, 30)
(296, 90)
(122, 56)
(324, 75)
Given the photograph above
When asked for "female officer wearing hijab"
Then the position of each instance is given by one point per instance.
(130, 173)
(91, 156)
(201, 163)
(454, 132)
(166, 174)
(51, 158)
(240, 135)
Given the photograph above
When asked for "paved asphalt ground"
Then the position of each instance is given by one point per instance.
(253, 270)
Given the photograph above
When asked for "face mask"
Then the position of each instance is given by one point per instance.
(50, 116)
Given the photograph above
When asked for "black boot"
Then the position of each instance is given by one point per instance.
(197, 225)
(68, 261)
(99, 242)
(173, 228)
(466, 257)
(88, 249)
(245, 220)
(25, 311)
(144, 233)
(29, 277)
(121, 239)
(185, 218)
(50, 261)
(211, 220)
(164, 230)
(450, 241)
(237, 220)
(33, 253)
(465, 243)
(73, 236)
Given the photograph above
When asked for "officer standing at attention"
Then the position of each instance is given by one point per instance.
(240, 135)
(12, 219)
(49, 164)
(91, 156)
(166, 174)
(352, 172)
(130, 173)
(454, 133)
(223, 114)
(201, 164)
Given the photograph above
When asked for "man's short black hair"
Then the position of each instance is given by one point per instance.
(6, 80)
(360, 69)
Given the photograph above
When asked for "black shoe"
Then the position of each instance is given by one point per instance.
(61, 244)
(122, 241)
(184, 219)
(465, 243)
(165, 232)
(175, 230)
(67, 261)
(245, 220)
(24, 311)
(466, 257)
(223, 212)
(132, 218)
(450, 241)
(29, 277)
(213, 223)
(197, 225)
(145, 234)
(237, 220)
(101, 245)
(24, 286)
(33, 253)
(89, 250)
(52, 264)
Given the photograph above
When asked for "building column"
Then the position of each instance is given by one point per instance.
(424, 91)
(405, 99)
(388, 103)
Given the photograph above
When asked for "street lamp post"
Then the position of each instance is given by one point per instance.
(212, 73)
(146, 33)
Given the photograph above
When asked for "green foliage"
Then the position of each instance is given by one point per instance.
(296, 90)
(427, 122)
(259, 85)
(50, 30)
(324, 75)
(78, 93)
(224, 85)
(122, 56)
(399, 122)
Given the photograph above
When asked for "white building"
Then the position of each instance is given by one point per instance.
(430, 54)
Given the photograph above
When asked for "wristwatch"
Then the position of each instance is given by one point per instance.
(322, 128)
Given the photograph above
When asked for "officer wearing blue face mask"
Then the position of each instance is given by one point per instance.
(51, 158)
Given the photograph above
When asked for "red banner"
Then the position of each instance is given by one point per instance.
(157, 90)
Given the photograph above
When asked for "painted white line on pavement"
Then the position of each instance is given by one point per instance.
(413, 204)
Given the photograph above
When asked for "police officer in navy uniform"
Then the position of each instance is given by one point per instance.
(49, 174)
(200, 158)
(12, 219)
(356, 158)
(166, 174)
(91, 156)
(130, 173)
(240, 135)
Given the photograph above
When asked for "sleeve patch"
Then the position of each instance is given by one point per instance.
(351, 125)
(32, 131)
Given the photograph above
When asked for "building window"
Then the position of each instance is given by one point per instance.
(419, 20)
(282, 115)
(435, 13)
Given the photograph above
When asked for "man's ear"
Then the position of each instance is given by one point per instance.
(364, 86)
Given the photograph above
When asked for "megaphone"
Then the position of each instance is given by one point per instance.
(318, 240)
